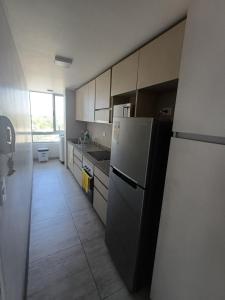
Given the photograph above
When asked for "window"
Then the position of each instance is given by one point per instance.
(47, 113)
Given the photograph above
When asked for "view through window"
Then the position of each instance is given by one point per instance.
(47, 113)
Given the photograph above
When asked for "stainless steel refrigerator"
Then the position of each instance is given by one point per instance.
(138, 164)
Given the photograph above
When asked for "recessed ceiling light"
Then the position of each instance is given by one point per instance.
(64, 62)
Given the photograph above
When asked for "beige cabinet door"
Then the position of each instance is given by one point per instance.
(102, 116)
(103, 83)
(91, 101)
(100, 205)
(85, 102)
(159, 61)
(124, 75)
(77, 172)
(79, 104)
(101, 176)
(101, 188)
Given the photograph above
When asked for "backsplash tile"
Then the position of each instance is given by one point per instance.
(100, 133)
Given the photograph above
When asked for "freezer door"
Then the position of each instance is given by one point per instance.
(190, 256)
(131, 139)
(124, 215)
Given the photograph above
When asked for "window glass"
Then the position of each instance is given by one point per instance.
(59, 113)
(42, 112)
(39, 138)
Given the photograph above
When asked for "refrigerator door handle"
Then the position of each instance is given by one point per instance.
(125, 178)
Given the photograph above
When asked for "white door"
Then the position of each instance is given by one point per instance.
(190, 256)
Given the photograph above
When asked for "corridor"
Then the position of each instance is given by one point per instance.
(68, 256)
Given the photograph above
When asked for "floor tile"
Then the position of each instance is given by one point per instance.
(63, 273)
(78, 202)
(107, 278)
(68, 256)
(71, 288)
(123, 294)
(88, 224)
(52, 235)
(48, 208)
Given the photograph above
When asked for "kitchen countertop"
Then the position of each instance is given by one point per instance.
(103, 165)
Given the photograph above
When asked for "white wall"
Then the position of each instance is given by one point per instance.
(52, 146)
(100, 133)
(15, 212)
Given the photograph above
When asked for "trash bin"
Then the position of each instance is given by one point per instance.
(42, 154)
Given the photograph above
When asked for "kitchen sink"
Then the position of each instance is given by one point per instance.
(100, 155)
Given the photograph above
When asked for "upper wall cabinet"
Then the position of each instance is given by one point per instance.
(80, 96)
(200, 105)
(91, 101)
(159, 60)
(103, 83)
(124, 75)
(85, 102)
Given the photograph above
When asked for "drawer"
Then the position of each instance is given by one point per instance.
(100, 206)
(77, 161)
(101, 188)
(102, 177)
(77, 153)
(77, 172)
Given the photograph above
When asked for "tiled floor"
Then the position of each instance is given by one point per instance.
(68, 256)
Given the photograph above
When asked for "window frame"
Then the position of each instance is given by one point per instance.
(54, 132)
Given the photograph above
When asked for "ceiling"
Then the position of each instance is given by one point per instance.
(95, 33)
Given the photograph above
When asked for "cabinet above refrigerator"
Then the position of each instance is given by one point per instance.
(200, 104)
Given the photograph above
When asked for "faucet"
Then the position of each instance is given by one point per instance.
(84, 138)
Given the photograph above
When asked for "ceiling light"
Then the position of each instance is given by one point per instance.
(64, 62)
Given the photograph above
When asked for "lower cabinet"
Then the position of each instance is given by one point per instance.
(70, 156)
(100, 194)
(100, 205)
(77, 172)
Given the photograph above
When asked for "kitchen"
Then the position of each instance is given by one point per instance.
(143, 184)
(129, 89)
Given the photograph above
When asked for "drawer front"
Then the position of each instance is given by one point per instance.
(77, 172)
(102, 177)
(100, 205)
(77, 161)
(77, 153)
(101, 188)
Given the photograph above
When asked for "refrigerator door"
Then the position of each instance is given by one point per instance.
(124, 215)
(190, 255)
(131, 139)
